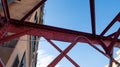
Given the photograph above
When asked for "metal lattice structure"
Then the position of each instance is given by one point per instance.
(8, 24)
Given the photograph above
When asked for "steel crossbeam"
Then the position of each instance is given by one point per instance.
(72, 61)
(60, 56)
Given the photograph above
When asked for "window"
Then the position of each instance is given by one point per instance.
(16, 62)
(33, 43)
(23, 61)
(36, 18)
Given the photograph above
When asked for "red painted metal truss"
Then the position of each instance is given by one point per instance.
(21, 27)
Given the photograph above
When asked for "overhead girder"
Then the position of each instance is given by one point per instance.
(56, 33)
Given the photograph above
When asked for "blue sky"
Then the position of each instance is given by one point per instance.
(75, 15)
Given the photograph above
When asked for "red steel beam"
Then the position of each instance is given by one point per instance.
(110, 25)
(60, 56)
(110, 47)
(111, 60)
(60, 34)
(33, 9)
(72, 61)
(3, 30)
(118, 17)
(5, 9)
(103, 45)
(13, 36)
(92, 10)
(91, 44)
(111, 35)
(53, 32)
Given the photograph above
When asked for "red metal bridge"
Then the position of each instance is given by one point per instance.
(8, 24)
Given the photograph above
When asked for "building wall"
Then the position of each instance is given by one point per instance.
(22, 52)
(19, 50)
(24, 45)
(5, 53)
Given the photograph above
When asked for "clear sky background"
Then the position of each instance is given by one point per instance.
(75, 15)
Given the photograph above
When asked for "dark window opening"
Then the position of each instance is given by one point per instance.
(23, 61)
(16, 62)
(36, 18)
